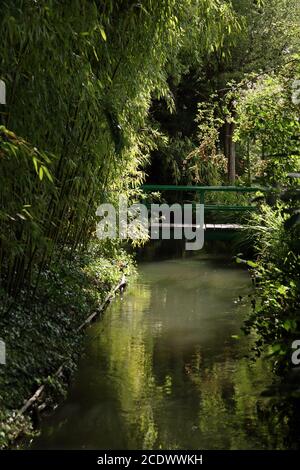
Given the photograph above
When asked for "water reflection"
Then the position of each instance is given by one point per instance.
(164, 369)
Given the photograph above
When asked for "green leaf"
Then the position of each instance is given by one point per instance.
(276, 349)
(282, 290)
(41, 173)
(48, 174)
(35, 162)
(27, 213)
(252, 264)
(103, 34)
(290, 325)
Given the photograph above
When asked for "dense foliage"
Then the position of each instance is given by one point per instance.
(79, 86)
(269, 122)
(103, 95)
(80, 79)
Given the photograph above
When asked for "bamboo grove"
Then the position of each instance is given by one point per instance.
(80, 77)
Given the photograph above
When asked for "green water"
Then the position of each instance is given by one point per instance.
(163, 369)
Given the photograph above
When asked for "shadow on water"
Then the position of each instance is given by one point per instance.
(166, 367)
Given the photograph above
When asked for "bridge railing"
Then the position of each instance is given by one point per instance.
(203, 190)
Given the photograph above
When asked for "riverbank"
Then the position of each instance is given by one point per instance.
(42, 331)
(167, 367)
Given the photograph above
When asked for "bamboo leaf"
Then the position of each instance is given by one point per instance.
(35, 163)
(103, 34)
(48, 174)
(41, 172)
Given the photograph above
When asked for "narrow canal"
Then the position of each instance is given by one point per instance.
(164, 368)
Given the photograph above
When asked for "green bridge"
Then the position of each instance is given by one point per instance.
(213, 231)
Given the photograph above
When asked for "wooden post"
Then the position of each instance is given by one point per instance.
(249, 163)
(229, 150)
(231, 156)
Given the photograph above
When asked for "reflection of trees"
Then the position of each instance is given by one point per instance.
(128, 349)
(228, 416)
(172, 394)
(162, 371)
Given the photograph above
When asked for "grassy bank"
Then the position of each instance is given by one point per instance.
(40, 332)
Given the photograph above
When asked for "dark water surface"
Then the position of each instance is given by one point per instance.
(164, 369)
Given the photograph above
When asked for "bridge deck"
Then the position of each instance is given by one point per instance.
(219, 231)
(195, 226)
